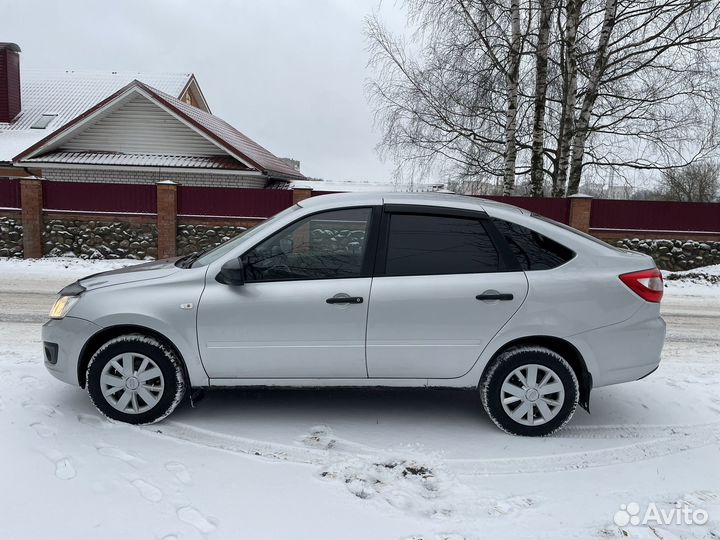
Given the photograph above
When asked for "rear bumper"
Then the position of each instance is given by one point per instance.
(626, 351)
(63, 340)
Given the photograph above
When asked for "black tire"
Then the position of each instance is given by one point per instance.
(504, 365)
(164, 358)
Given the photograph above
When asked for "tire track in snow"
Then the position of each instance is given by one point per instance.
(675, 440)
(651, 442)
(633, 432)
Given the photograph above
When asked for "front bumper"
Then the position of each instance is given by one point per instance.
(63, 340)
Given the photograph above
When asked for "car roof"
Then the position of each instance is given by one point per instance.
(446, 200)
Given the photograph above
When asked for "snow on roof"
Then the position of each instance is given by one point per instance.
(139, 160)
(214, 129)
(228, 136)
(68, 94)
(346, 187)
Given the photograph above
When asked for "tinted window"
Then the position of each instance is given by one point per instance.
(532, 250)
(426, 245)
(324, 245)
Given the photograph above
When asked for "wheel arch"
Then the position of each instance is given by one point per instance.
(106, 334)
(560, 346)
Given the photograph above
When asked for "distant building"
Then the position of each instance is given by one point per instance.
(600, 190)
(123, 128)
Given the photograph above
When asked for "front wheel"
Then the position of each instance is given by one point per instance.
(135, 379)
(530, 391)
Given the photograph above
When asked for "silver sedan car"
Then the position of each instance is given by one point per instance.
(370, 290)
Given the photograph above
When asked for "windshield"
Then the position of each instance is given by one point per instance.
(226, 247)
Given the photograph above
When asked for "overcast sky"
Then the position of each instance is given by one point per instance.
(288, 73)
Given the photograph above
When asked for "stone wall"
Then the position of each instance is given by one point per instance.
(99, 239)
(332, 239)
(192, 238)
(11, 242)
(675, 254)
(122, 239)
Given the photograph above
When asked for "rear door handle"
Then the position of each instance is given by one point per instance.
(345, 300)
(494, 296)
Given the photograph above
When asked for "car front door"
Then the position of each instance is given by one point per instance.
(444, 286)
(302, 311)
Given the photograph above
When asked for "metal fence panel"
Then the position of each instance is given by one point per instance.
(9, 193)
(655, 215)
(232, 202)
(95, 197)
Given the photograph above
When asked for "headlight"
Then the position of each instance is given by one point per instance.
(62, 306)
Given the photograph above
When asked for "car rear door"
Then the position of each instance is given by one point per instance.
(444, 285)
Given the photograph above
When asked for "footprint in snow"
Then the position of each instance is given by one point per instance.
(147, 490)
(64, 469)
(440, 536)
(39, 407)
(91, 420)
(511, 505)
(32, 382)
(42, 430)
(320, 437)
(117, 453)
(699, 498)
(179, 470)
(192, 516)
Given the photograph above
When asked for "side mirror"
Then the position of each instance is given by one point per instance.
(231, 273)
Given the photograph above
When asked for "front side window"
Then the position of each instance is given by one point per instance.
(210, 256)
(532, 250)
(429, 245)
(324, 245)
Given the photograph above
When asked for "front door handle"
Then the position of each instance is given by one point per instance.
(494, 296)
(345, 300)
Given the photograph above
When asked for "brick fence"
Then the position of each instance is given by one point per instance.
(46, 217)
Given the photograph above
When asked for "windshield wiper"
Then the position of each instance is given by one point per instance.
(188, 260)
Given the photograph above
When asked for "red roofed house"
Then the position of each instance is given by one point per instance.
(134, 130)
(119, 127)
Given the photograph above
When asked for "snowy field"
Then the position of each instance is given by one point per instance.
(353, 464)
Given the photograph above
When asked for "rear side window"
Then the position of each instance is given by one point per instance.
(532, 250)
(431, 245)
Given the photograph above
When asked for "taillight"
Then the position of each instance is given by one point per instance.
(647, 284)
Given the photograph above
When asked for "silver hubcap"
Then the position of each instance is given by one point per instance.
(132, 383)
(532, 395)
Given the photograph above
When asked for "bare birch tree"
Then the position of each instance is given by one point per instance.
(650, 99)
(549, 88)
(568, 97)
(537, 160)
(451, 95)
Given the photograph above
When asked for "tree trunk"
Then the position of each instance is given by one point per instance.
(537, 174)
(512, 81)
(569, 96)
(581, 128)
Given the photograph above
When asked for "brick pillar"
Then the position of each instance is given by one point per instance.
(300, 194)
(580, 209)
(31, 200)
(166, 219)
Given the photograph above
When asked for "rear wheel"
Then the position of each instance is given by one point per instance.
(135, 379)
(530, 391)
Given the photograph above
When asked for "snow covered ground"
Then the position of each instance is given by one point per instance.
(352, 464)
